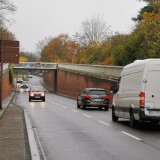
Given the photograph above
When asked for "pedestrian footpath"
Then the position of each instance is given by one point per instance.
(13, 134)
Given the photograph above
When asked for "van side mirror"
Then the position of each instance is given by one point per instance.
(114, 89)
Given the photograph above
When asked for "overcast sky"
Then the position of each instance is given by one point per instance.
(37, 19)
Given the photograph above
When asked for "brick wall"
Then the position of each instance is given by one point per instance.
(50, 80)
(7, 88)
(71, 84)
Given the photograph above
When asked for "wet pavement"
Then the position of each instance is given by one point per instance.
(13, 135)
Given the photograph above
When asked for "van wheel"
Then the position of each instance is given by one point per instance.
(154, 122)
(114, 117)
(132, 120)
(83, 106)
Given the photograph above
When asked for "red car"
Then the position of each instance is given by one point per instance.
(36, 93)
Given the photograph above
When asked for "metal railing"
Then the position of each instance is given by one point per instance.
(36, 65)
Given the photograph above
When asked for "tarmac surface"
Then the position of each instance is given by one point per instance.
(13, 133)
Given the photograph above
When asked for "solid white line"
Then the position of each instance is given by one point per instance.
(131, 136)
(86, 115)
(40, 145)
(104, 123)
(74, 110)
(32, 141)
(64, 107)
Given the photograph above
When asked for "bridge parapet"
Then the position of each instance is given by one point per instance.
(103, 70)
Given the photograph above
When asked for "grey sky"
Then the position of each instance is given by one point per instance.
(37, 19)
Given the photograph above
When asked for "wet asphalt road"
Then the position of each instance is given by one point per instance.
(67, 133)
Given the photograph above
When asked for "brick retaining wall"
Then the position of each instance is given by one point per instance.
(7, 88)
(71, 84)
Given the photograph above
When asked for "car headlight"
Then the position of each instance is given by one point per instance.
(31, 94)
(42, 94)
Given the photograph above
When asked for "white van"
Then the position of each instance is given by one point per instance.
(137, 94)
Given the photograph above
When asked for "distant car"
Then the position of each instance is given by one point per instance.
(24, 85)
(36, 93)
(29, 76)
(93, 97)
(19, 81)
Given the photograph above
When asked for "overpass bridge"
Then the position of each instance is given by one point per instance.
(35, 66)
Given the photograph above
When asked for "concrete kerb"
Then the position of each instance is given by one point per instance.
(31, 137)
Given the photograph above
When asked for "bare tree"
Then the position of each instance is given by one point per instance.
(6, 7)
(93, 31)
(41, 44)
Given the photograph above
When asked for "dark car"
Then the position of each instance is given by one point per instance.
(93, 97)
(36, 93)
(19, 81)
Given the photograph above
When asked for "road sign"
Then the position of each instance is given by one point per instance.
(10, 51)
(10, 44)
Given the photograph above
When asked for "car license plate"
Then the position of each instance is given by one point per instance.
(37, 97)
(154, 113)
(98, 100)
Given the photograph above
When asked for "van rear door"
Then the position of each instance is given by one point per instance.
(152, 92)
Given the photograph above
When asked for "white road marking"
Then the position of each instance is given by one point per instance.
(32, 141)
(64, 107)
(57, 104)
(86, 115)
(104, 123)
(138, 139)
(74, 110)
(40, 145)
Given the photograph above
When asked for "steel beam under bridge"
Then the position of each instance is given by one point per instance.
(35, 66)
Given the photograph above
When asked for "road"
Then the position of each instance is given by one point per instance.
(67, 133)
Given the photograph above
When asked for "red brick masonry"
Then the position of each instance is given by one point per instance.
(71, 84)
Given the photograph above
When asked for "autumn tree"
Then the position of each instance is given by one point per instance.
(7, 35)
(28, 57)
(153, 6)
(60, 49)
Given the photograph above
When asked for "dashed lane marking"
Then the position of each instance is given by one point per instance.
(104, 123)
(74, 110)
(132, 136)
(64, 107)
(86, 115)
